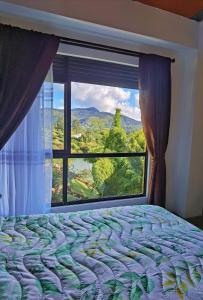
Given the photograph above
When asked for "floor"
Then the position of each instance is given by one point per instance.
(197, 221)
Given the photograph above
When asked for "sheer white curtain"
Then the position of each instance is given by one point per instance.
(26, 161)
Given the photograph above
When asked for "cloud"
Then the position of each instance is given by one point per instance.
(132, 112)
(105, 98)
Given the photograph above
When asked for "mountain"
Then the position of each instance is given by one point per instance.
(84, 115)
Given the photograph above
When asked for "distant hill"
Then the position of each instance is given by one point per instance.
(84, 114)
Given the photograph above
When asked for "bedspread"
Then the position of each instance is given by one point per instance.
(132, 252)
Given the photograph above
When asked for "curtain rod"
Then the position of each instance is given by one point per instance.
(96, 46)
(91, 45)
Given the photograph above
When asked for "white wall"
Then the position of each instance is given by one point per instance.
(136, 26)
(178, 156)
(195, 188)
(126, 15)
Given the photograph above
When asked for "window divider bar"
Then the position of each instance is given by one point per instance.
(93, 200)
(67, 137)
(67, 117)
(65, 180)
(64, 154)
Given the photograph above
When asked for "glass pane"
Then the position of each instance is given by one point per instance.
(104, 177)
(105, 119)
(57, 181)
(58, 116)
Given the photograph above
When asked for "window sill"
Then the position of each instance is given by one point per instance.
(101, 204)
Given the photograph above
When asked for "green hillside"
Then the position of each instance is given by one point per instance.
(84, 115)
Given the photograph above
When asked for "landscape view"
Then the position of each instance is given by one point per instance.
(103, 120)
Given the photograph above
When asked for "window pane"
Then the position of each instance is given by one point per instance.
(105, 119)
(105, 177)
(57, 182)
(58, 116)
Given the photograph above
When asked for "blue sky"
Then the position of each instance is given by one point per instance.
(104, 98)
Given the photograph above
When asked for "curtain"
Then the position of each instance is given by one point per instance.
(25, 161)
(25, 58)
(155, 105)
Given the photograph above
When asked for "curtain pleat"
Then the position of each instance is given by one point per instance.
(155, 105)
(26, 161)
(25, 58)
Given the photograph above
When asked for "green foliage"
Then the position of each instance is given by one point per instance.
(79, 189)
(125, 180)
(136, 141)
(76, 127)
(96, 124)
(105, 176)
(102, 169)
(57, 188)
(116, 141)
(117, 119)
(58, 134)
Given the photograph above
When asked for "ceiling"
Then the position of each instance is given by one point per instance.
(188, 8)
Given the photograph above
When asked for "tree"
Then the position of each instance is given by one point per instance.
(136, 141)
(127, 178)
(102, 169)
(59, 124)
(96, 124)
(76, 126)
(127, 173)
(57, 186)
(116, 140)
(117, 118)
(58, 134)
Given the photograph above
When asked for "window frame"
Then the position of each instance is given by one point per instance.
(66, 154)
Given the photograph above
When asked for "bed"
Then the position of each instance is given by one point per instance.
(132, 252)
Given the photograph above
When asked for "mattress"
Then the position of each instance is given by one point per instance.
(133, 252)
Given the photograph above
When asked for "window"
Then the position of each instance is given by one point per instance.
(98, 142)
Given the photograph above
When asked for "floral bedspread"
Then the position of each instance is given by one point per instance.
(132, 252)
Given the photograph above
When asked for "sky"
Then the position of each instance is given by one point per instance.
(104, 98)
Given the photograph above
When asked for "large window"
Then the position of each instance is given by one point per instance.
(98, 142)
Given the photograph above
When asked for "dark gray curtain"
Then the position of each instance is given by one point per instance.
(155, 104)
(25, 58)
